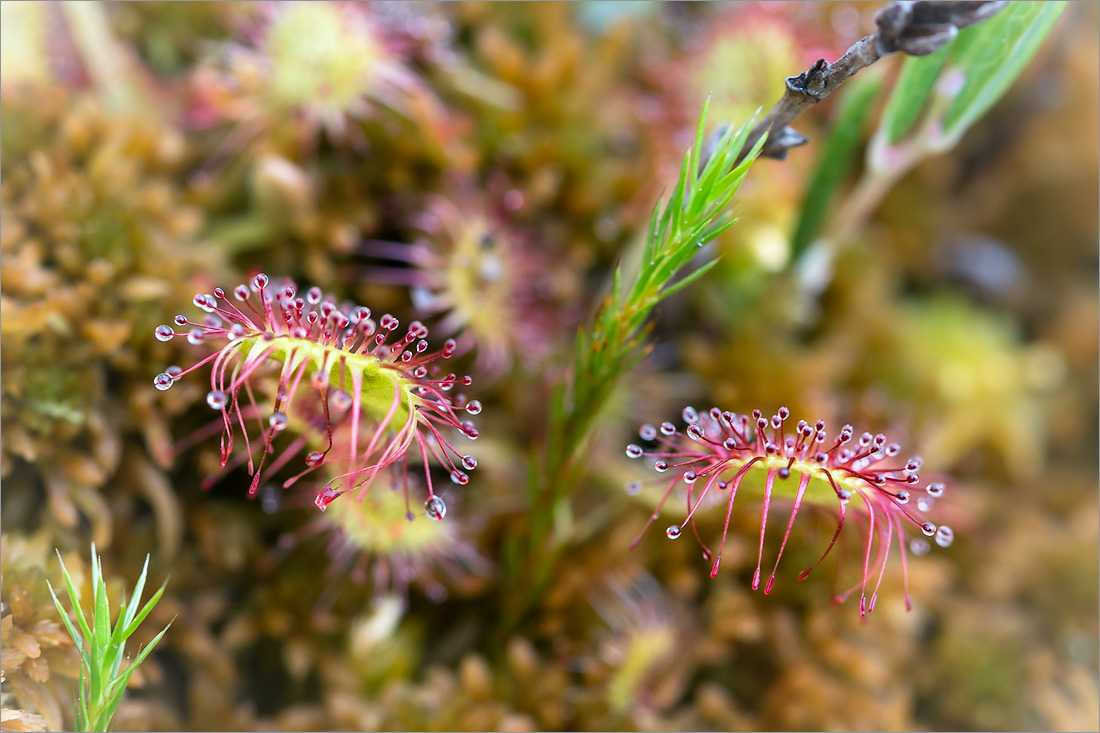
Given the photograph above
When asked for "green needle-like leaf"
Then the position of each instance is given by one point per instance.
(102, 613)
(103, 647)
(694, 214)
(69, 624)
(146, 609)
(135, 600)
(74, 599)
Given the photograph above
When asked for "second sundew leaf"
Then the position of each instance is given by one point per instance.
(835, 160)
(992, 54)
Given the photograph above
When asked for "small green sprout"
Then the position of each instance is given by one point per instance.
(102, 648)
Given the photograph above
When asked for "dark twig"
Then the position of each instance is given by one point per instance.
(915, 28)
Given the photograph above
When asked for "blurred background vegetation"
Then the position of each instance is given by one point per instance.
(484, 167)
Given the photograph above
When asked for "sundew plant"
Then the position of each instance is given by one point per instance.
(549, 366)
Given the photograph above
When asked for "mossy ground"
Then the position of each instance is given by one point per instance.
(570, 124)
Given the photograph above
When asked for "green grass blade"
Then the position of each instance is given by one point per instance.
(992, 54)
(677, 201)
(146, 609)
(697, 146)
(77, 639)
(82, 704)
(117, 687)
(836, 158)
(911, 93)
(651, 239)
(737, 143)
(101, 632)
(693, 214)
(114, 653)
(689, 279)
(95, 673)
(112, 660)
(103, 647)
(753, 154)
(713, 169)
(74, 599)
(101, 614)
(135, 600)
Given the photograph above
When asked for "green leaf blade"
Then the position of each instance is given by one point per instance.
(102, 648)
(135, 600)
(74, 599)
(837, 157)
(77, 639)
(145, 611)
(992, 55)
(911, 93)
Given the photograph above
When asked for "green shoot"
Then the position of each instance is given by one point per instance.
(695, 214)
(102, 648)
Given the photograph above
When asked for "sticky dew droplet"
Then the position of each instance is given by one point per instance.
(944, 536)
(341, 400)
(435, 508)
(217, 399)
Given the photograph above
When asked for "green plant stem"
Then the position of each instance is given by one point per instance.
(105, 59)
(695, 214)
